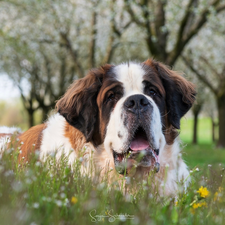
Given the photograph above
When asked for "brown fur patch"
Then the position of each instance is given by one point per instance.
(76, 138)
(28, 139)
(79, 106)
(175, 86)
(186, 88)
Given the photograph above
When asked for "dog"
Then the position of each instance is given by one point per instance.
(126, 116)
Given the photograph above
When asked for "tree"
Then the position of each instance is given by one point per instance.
(41, 80)
(217, 87)
(49, 50)
(170, 25)
(196, 109)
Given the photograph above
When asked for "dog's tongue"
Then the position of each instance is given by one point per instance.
(139, 143)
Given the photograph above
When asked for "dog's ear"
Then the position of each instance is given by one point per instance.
(180, 93)
(79, 106)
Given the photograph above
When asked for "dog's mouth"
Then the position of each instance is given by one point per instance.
(140, 153)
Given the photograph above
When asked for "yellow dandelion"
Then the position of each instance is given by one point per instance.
(199, 205)
(176, 203)
(74, 200)
(203, 191)
(195, 205)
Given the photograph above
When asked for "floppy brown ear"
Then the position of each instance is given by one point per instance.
(180, 93)
(79, 106)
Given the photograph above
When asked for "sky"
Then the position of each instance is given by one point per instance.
(7, 89)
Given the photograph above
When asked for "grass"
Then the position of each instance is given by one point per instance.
(205, 153)
(204, 130)
(37, 193)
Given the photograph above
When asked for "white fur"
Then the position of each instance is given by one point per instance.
(54, 141)
(131, 76)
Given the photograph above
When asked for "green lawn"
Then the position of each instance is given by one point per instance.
(204, 130)
(205, 152)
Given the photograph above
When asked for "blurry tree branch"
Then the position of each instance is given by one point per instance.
(201, 76)
(73, 53)
(157, 33)
(218, 90)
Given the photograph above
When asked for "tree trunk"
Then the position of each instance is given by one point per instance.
(30, 118)
(195, 133)
(221, 112)
(196, 109)
(45, 111)
(213, 129)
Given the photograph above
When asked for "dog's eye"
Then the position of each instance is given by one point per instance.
(152, 92)
(111, 97)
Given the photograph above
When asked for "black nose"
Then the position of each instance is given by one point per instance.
(136, 103)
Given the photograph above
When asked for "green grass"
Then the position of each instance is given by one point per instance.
(204, 130)
(205, 153)
(54, 194)
(37, 193)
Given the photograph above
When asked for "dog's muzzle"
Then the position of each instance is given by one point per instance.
(140, 150)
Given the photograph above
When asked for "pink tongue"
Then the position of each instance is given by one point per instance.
(139, 143)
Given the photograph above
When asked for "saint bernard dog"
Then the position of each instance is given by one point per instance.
(125, 117)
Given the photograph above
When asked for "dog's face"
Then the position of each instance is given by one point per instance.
(133, 109)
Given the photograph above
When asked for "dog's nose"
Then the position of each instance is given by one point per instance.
(136, 103)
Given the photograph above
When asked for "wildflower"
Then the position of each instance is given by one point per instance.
(62, 195)
(36, 205)
(195, 206)
(215, 196)
(203, 191)
(37, 164)
(74, 200)
(202, 204)
(176, 203)
(81, 159)
(58, 202)
(218, 194)
(197, 169)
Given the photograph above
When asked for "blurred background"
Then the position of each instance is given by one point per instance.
(46, 44)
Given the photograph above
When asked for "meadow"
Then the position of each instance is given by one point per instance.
(36, 193)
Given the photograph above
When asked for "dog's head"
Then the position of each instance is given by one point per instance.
(133, 109)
